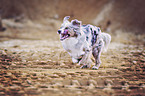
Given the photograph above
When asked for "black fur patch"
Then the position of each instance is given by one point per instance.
(87, 38)
(79, 59)
(94, 38)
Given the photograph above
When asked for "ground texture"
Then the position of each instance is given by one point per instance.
(33, 63)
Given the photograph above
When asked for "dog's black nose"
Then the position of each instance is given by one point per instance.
(59, 31)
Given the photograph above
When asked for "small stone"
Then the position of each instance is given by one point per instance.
(93, 82)
(133, 67)
(14, 88)
(54, 76)
(75, 82)
(91, 86)
(69, 76)
(34, 77)
(16, 82)
(24, 78)
(134, 62)
(7, 76)
(43, 86)
(25, 85)
(62, 74)
(29, 82)
(62, 65)
(78, 65)
(142, 86)
(21, 92)
(70, 73)
(13, 65)
(2, 93)
(2, 89)
(92, 73)
(47, 67)
(108, 82)
(108, 90)
(57, 85)
(125, 87)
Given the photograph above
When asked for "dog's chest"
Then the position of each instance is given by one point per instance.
(70, 45)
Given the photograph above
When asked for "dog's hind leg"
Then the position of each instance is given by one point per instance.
(97, 49)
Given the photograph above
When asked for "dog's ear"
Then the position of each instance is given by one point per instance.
(76, 23)
(66, 18)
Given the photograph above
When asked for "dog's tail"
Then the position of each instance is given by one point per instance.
(107, 39)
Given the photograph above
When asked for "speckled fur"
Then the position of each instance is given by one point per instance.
(83, 41)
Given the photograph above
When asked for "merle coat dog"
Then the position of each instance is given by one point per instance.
(81, 41)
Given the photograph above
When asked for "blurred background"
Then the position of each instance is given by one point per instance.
(112, 14)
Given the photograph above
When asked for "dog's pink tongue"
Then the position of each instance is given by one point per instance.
(64, 34)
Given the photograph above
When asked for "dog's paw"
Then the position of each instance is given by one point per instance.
(74, 60)
(84, 66)
(95, 68)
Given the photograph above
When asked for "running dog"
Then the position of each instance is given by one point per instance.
(81, 41)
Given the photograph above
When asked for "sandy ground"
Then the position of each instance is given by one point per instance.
(33, 63)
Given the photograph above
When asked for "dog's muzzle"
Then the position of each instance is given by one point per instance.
(64, 35)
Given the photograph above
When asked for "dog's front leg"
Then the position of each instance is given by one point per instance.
(97, 48)
(86, 60)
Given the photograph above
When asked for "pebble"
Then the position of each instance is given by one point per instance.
(47, 67)
(16, 82)
(21, 92)
(75, 82)
(34, 77)
(70, 73)
(2, 93)
(62, 65)
(93, 82)
(125, 87)
(54, 76)
(142, 86)
(77, 65)
(108, 82)
(134, 62)
(43, 62)
(29, 82)
(30, 88)
(57, 85)
(62, 74)
(14, 88)
(13, 65)
(23, 78)
(91, 86)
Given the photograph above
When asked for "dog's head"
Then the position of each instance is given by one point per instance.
(69, 29)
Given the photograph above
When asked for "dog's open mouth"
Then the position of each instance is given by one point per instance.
(64, 35)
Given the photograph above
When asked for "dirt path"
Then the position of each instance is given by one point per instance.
(32, 67)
